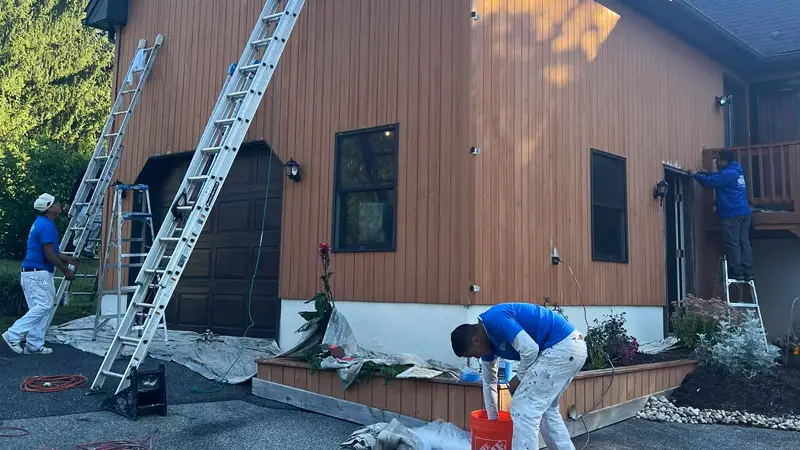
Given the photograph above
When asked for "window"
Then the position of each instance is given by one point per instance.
(609, 207)
(365, 190)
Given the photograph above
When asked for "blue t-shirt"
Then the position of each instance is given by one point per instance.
(43, 231)
(503, 322)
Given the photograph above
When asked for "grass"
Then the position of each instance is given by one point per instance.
(80, 306)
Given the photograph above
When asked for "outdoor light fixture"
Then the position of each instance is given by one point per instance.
(292, 170)
(724, 100)
(660, 191)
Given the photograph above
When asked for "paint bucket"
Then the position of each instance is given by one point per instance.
(491, 434)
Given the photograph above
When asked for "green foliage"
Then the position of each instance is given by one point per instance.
(738, 348)
(697, 316)
(55, 74)
(12, 299)
(372, 369)
(609, 340)
(26, 171)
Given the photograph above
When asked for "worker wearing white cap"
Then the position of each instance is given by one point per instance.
(41, 259)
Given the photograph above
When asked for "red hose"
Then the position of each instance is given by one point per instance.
(52, 383)
(144, 444)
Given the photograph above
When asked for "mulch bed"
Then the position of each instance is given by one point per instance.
(669, 355)
(777, 394)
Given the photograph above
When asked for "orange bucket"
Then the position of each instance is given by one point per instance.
(491, 434)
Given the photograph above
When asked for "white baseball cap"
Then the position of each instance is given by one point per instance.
(43, 202)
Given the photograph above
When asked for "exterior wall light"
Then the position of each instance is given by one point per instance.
(724, 100)
(292, 170)
(660, 191)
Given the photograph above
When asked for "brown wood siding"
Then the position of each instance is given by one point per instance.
(552, 79)
(453, 402)
(349, 64)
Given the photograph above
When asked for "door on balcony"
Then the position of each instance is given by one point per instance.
(679, 238)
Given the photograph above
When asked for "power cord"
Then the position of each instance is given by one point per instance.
(555, 259)
(260, 244)
(52, 383)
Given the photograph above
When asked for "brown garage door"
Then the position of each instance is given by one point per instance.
(213, 290)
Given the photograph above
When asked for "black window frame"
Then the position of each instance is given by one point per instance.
(337, 230)
(624, 255)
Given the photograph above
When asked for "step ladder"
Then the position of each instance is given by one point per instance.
(125, 256)
(728, 282)
(87, 207)
(230, 119)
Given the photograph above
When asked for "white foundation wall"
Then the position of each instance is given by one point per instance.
(424, 329)
(776, 266)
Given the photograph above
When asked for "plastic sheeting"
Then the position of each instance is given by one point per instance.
(339, 333)
(436, 435)
(210, 356)
(655, 347)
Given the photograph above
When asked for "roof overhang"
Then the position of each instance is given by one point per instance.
(106, 15)
(692, 26)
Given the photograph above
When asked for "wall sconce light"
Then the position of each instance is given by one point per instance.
(724, 100)
(660, 191)
(292, 170)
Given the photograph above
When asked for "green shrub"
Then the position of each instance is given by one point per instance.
(738, 349)
(697, 316)
(12, 299)
(609, 340)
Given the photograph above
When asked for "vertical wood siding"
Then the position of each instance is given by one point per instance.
(550, 80)
(453, 402)
(349, 64)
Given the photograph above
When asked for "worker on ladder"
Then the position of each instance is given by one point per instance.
(734, 210)
(41, 259)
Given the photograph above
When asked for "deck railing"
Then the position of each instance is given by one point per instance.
(772, 173)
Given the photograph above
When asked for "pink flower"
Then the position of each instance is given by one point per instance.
(324, 249)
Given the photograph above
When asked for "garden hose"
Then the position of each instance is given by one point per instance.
(52, 383)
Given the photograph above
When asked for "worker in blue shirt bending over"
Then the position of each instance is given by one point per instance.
(550, 352)
(734, 210)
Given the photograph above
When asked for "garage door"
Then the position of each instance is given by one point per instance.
(213, 290)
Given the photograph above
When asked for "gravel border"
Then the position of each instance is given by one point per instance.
(659, 409)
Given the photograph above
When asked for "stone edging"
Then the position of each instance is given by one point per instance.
(659, 409)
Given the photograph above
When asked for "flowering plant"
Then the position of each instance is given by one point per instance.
(609, 341)
(323, 301)
(697, 316)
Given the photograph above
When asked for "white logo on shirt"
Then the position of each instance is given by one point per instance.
(741, 181)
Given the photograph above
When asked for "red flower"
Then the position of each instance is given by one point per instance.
(324, 249)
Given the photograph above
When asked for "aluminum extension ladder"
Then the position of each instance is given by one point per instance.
(230, 119)
(728, 282)
(124, 259)
(89, 200)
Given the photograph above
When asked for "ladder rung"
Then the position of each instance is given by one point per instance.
(129, 340)
(122, 290)
(129, 91)
(93, 180)
(112, 134)
(144, 305)
(158, 271)
(170, 239)
(133, 255)
(132, 239)
(272, 17)
(119, 113)
(83, 293)
(109, 373)
(132, 264)
(228, 121)
(261, 42)
(238, 94)
(198, 178)
(69, 253)
(81, 203)
(744, 305)
(250, 68)
(211, 150)
(85, 275)
(184, 207)
(98, 158)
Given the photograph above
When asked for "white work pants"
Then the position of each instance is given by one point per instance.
(40, 293)
(536, 400)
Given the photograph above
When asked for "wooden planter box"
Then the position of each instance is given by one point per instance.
(453, 401)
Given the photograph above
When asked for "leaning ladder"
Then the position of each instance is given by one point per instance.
(728, 282)
(230, 119)
(124, 259)
(104, 162)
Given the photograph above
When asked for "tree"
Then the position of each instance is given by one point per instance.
(55, 74)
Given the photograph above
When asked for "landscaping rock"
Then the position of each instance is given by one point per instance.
(663, 410)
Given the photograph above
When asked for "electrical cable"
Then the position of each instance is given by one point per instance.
(4, 362)
(52, 383)
(145, 443)
(608, 357)
(271, 146)
(20, 432)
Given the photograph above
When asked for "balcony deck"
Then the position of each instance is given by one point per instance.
(772, 172)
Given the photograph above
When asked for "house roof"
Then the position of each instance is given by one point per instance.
(769, 27)
(753, 37)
